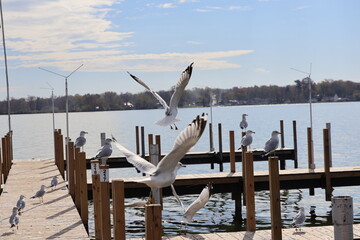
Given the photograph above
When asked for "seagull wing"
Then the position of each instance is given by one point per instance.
(176, 196)
(105, 151)
(271, 144)
(80, 141)
(183, 143)
(138, 162)
(199, 203)
(246, 140)
(180, 86)
(156, 95)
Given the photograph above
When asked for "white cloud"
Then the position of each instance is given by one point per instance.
(299, 8)
(166, 5)
(202, 10)
(262, 70)
(241, 8)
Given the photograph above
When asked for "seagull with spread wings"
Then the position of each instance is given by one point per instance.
(171, 110)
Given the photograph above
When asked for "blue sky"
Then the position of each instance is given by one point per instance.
(232, 43)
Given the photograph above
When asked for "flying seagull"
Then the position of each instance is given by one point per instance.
(14, 218)
(299, 219)
(164, 174)
(81, 140)
(271, 144)
(171, 109)
(40, 194)
(20, 204)
(247, 139)
(104, 152)
(54, 182)
(243, 123)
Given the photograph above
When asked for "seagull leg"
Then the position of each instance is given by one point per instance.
(176, 128)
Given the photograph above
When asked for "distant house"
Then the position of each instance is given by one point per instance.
(336, 98)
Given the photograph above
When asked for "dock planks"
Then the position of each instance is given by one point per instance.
(56, 218)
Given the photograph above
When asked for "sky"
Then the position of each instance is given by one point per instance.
(233, 43)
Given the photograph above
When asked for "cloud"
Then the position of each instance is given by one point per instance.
(299, 8)
(166, 5)
(216, 8)
(262, 70)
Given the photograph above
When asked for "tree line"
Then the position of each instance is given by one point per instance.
(327, 90)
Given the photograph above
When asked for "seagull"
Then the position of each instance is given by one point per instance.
(20, 203)
(199, 203)
(54, 182)
(299, 219)
(171, 109)
(104, 152)
(271, 144)
(40, 194)
(14, 218)
(164, 174)
(243, 123)
(247, 139)
(81, 140)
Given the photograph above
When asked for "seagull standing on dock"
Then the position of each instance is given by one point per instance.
(21, 204)
(164, 174)
(14, 218)
(271, 144)
(243, 123)
(40, 194)
(299, 219)
(54, 182)
(104, 152)
(81, 140)
(247, 139)
(171, 110)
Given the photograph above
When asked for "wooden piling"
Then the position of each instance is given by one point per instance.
(236, 195)
(221, 166)
(118, 197)
(250, 192)
(102, 138)
(137, 140)
(310, 156)
(60, 153)
(142, 142)
(243, 151)
(154, 159)
(328, 126)
(153, 228)
(158, 143)
(4, 157)
(71, 167)
(96, 196)
(232, 152)
(343, 217)
(56, 158)
(82, 181)
(282, 137)
(105, 203)
(328, 188)
(275, 210)
(77, 163)
(211, 145)
(296, 165)
(1, 171)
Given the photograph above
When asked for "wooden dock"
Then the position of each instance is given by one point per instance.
(308, 233)
(56, 218)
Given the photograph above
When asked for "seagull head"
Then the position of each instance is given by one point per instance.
(249, 132)
(108, 141)
(275, 133)
(43, 187)
(22, 196)
(244, 115)
(180, 165)
(82, 133)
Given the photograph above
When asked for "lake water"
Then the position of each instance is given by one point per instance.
(33, 138)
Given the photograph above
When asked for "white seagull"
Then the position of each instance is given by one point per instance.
(104, 152)
(271, 144)
(299, 219)
(40, 194)
(243, 123)
(54, 182)
(20, 204)
(164, 174)
(14, 218)
(247, 139)
(171, 110)
(81, 140)
(199, 203)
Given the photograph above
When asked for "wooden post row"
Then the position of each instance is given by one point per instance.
(275, 210)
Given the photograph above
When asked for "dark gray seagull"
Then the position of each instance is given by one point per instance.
(104, 152)
(247, 139)
(20, 204)
(299, 219)
(14, 218)
(171, 110)
(40, 194)
(164, 174)
(243, 123)
(81, 140)
(271, 144)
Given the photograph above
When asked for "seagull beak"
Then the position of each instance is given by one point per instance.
(183, 165)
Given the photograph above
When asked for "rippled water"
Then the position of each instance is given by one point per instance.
(33, 139)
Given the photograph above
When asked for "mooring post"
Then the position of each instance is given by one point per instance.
(96, 196)
(243, 151)
(342, 217)
(328, 188)
(71, 167)
(154, 159)
(236, 195)
(137, 140)
(232, 152)
(250, 192)
(295, 145)
(1, 171)
(142, 142)
(211, 145)
(221, 167)
(55, 149)
(77, 190)
(118, 197)
(282, 137)
(311, 164)
(8, 160)
(102, 138)
(274, 185)
(153, 228)
(158, 142)
(328, 126)
(4, 154)
(105, 202)
(83, 190)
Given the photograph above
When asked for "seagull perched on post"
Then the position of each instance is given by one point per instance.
(247, 139)
(171, 110)
(272, 143)
(299, 219)
(14, 218)
(20, 204)
(164, 174)
(40, 194)
(104, 152)
(81, 140)
(243, 123)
